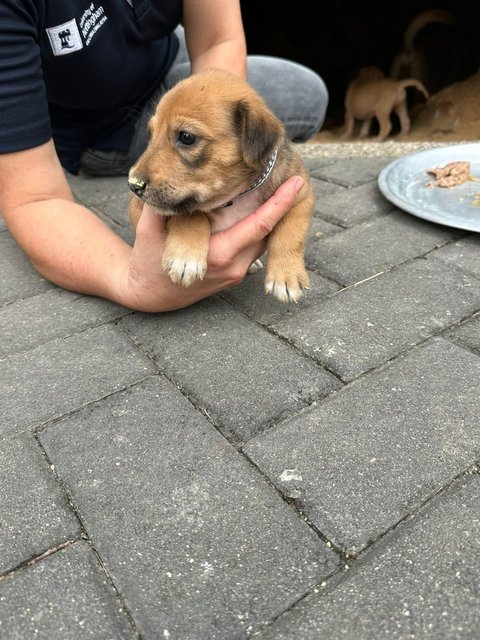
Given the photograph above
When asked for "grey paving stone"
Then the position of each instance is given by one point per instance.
(64, 374)
(18, 279)
(351, 172)
(363, 326)
(196, 541)
(325, 189)
(375, 246)
(465, 254)
(347, 207)
(65, 596)
(421, 583)
(34, 515)
(243, 376)
(108, 197)
(362, 460)
(57, 313)
(3, 226)
(467, 335)
(319, 229)
(312, 162)
(249, 297)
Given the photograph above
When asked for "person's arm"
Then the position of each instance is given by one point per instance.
(214, 35)
(70, 246)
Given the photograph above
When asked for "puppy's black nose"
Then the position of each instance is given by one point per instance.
(137, 185)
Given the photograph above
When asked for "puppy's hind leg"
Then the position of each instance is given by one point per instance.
(286, 274)
(402, 113)
(365, 128)
(186, 248)
(349, 126)
(385, 125)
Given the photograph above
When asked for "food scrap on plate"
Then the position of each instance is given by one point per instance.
(451, 175)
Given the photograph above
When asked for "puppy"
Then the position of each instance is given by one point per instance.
(371, 95)
(216, 153)
(428, 55)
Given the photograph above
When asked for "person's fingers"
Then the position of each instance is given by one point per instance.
(259, 224)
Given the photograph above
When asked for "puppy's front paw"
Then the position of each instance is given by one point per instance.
(184, 271)
(287, 284)
(186, 248)
(255, 267)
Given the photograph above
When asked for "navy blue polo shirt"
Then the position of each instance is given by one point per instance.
(80, 70)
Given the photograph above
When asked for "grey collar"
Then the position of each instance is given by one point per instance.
(258, 182)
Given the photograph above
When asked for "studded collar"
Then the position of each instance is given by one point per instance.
(258, 182)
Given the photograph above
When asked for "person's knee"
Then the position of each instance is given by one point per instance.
(314, 107)
(295, 93)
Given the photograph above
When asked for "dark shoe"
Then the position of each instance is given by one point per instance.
(105, 163)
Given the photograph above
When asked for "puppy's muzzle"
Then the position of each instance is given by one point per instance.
(137, 185)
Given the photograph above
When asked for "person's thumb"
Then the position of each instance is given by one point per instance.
(259, 224)
(151, 226)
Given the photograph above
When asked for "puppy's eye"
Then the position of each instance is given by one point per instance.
(186, 138)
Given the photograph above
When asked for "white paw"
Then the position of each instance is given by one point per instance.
(283, 292)
(287, 288)
(255, 266)
(185, 272)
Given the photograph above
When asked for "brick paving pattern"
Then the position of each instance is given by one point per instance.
(243, 469)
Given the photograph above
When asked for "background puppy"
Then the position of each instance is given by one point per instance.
(216, 152)
(371, 95)
(430, 53)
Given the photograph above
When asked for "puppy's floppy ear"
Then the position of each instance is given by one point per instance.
(260, 132)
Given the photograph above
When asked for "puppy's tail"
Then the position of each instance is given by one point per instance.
(420, 21)
(411, 82)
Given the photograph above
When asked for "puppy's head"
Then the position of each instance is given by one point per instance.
(369, 74)
(211, 136)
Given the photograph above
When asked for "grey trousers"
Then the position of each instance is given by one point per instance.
(296, 94)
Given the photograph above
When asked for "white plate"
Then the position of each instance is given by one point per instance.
(404, 181)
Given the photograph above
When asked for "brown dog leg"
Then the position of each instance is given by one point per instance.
(365, 128)
(402, 113)
(286, 274)
(186, 248)
(385, 125)
(349, 126)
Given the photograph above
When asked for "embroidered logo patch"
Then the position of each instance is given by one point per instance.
(65, 38)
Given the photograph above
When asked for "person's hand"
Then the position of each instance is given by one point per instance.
(145, 286)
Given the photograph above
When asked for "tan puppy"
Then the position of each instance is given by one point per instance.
(216, 152)
(371, 95)
(419, 59)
